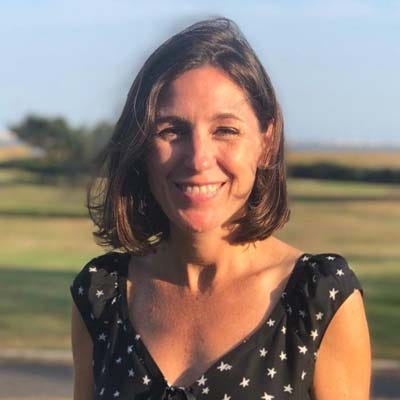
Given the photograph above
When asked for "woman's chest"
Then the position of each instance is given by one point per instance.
(185, 334)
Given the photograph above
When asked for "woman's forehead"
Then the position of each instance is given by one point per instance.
(207, 90)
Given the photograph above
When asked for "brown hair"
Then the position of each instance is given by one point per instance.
(119, 200)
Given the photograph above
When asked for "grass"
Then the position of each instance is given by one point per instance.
(20, 197)
(365, 159)
(35, 307)
(46, 239)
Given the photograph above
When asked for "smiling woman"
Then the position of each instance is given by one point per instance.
(220, 51)
(205, 152)
(201, 300)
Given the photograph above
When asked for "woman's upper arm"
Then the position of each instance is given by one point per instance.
(82, 352)
(343, 365)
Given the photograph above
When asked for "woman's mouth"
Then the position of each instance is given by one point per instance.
(199, 192)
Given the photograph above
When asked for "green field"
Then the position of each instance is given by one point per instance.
(46, 238)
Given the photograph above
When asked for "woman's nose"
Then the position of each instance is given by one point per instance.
(200, 153)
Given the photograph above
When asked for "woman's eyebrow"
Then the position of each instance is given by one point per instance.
(225, 115)
(172, 119)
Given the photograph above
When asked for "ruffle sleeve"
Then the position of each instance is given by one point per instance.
(322, 285)
(94, 290)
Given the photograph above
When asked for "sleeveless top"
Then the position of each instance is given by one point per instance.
(276, 362)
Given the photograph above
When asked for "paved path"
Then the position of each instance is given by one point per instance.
(29, 380)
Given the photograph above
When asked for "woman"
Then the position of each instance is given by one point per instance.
(203, 302)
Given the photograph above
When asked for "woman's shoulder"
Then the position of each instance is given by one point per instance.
(326, 276)
(320, 285)
(96, 285)
(332, 269)
(109, 264)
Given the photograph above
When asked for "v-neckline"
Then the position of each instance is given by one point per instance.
(252, 336)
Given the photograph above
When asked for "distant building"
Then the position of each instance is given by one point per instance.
(11, 147)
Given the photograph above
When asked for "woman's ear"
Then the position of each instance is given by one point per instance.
(266, 146)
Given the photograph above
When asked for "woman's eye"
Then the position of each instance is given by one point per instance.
(168, 133)
(227, 131)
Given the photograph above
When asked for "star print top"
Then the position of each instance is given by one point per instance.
(276, 362)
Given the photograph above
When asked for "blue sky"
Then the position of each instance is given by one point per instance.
(335, 64)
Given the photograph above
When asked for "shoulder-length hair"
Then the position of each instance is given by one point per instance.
(119, 200)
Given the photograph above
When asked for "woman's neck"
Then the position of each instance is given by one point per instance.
(202, 262)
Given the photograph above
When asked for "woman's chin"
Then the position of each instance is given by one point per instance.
(199, 222)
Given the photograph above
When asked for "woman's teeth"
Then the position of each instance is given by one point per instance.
(203, 189)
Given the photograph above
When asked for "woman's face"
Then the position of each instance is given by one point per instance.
(205, 150)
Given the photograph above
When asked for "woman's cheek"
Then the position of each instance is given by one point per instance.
(242, 158)
(158, 158)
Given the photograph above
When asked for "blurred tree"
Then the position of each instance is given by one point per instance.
(76, 148)
(99, 136)
(53, 135)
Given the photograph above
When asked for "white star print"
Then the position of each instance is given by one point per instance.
(305, 258)
(224, 367)
(271, 372)
(263, 352)
(119, 321)
(315, 355)
(202, 381)
(270, 322)
(114, 273)
(102, 336)
(103, 369)
(332, 293)
(118, 360)
(289, 309)
(116, 393)
(283, 295)
(91, 316)
(330, 258)
(267, 396)
(288, 389)
(92, 269)
(302, 313)
(137, 337)
(302, 349)
(319, 316)
(80, 290)
(314, 334)
(101, 392)
(131, 372)
(114, 300)
(245, 382)
(282, 356)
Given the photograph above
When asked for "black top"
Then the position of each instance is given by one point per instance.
(275, 362)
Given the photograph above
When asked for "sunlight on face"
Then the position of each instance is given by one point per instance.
(205, 150)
